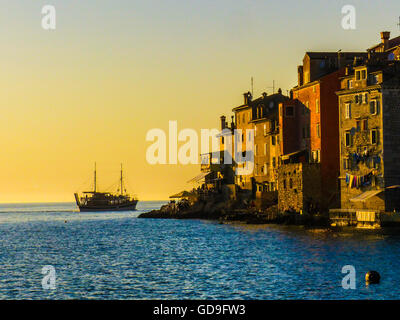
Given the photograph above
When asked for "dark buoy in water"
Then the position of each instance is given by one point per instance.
(372, 277)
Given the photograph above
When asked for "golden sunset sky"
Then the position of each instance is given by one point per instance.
(112, 70)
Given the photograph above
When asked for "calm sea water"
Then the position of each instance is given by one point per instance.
(117, 256)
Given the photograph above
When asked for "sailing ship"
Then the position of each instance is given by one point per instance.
(106, 201)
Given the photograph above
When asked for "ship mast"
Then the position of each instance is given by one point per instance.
(122, 184)
(95, 178)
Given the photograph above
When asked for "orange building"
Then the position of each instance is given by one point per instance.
(309, 121)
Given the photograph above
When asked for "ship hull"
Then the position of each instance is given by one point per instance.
(131, 206)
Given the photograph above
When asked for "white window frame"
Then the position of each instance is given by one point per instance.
(347, 110)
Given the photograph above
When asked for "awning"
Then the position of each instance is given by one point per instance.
(199, 177)
(289, 155)
(366, 195)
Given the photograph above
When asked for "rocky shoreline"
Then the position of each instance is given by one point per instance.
(226, 212)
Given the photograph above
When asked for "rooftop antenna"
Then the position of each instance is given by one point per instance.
(273, 87)
(252, 87)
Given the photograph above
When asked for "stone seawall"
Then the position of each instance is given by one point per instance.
(229, 211)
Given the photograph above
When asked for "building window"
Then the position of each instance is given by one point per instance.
(358, 75)
(222, 140)
(265, 168)
(358, 125)
(290, 183)
(255, 131)
(365, 124)
(265, 149)
(317, 106)
(347, 139)
(315, 156)
(346, 164)
(348, 110)
(284, 184)
(273, 162)
(244, 118)
(363, 74)
(374, 136)
(255, 149)
(265, 129)
(374, 107)
(350, 84)
(273, 140)
(318, 129)
(306, 132)
(289, 111)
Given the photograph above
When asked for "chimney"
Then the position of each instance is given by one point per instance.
(291, 94)
(232, 123)
(223, 123)
(385, 36)
(264, 94)
(247, 97)
(279, 91)
(300, 75)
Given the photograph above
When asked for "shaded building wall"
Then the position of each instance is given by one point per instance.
(289, 128)
(329, 142)
(308, 96)
(391, 143)
(299, 187)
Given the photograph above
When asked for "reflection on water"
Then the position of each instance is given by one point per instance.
(116, 256)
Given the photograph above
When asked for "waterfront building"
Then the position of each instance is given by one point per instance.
(309, 126)
(369, 111)
(266, 144)
(260, 115)
(386, 45)
(243, 117)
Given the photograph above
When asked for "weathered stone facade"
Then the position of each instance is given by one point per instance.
(369, 112)
(299, 187)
